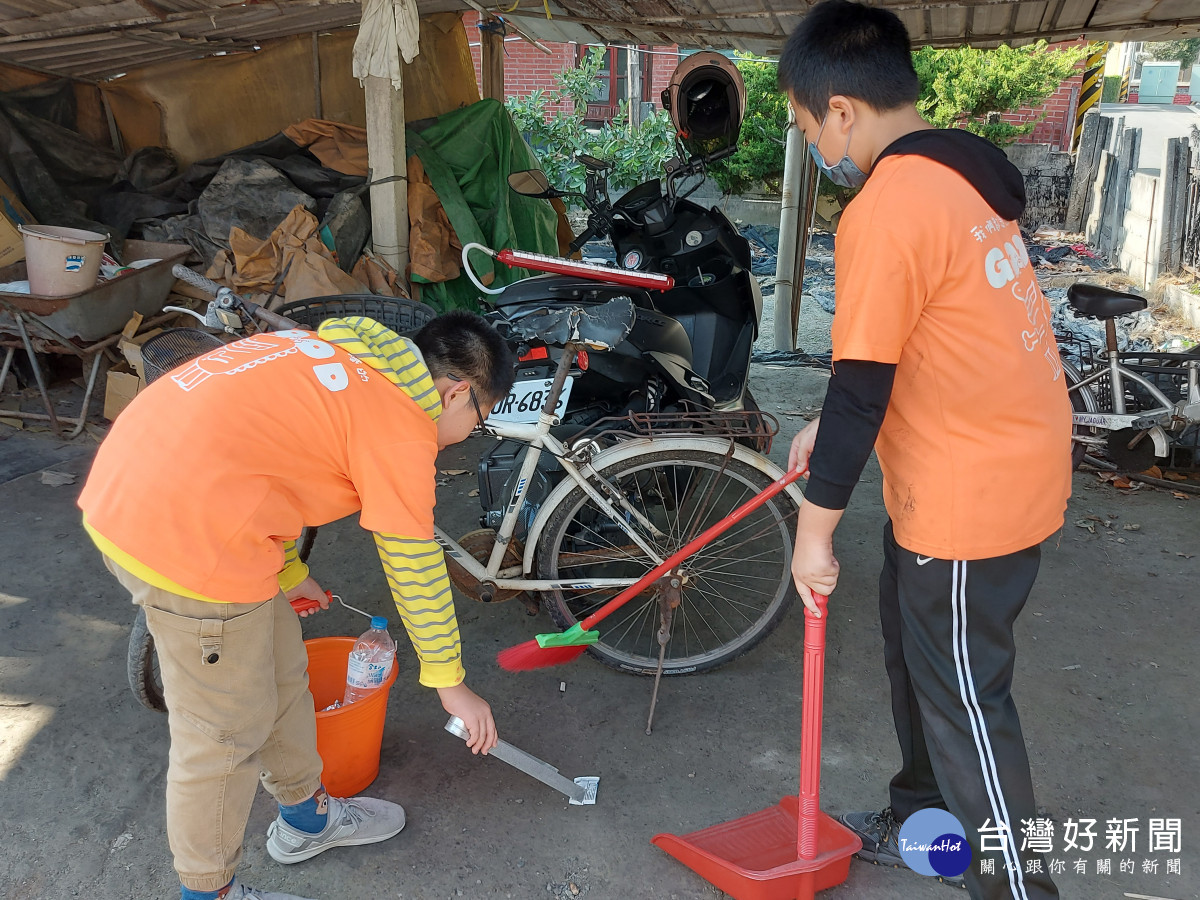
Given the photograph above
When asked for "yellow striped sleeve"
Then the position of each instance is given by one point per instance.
(416, 573)
(294, 570)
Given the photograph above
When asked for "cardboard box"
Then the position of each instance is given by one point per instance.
(12, 214)
(122, 386)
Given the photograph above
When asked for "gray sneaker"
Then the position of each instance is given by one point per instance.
(880, 834)
(352, 822)
(238, 891)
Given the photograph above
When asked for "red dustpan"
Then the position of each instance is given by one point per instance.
(789, 851)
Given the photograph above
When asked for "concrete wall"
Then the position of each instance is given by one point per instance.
(1136, 250)
(1047, 182)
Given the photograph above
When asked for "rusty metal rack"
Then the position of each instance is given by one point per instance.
(753, 427)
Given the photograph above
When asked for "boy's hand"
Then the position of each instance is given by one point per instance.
(308, 589)
(802, 445)
(814, 567)
(475, 713)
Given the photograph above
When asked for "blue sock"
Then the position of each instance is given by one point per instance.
(186, 893)
(309, 816)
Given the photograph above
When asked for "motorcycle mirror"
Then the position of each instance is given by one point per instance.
(590, 162)
(532, 183)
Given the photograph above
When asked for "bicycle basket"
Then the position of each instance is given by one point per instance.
(400, 314)
(174, 347)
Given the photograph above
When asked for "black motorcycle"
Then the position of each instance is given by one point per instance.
(690, 345)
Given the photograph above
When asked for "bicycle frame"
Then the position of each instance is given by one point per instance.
(539, 439)
(1118, 418)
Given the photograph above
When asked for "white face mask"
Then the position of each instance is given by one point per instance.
(844, 173)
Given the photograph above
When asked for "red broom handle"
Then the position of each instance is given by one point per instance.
(689, 548)
(810, 734)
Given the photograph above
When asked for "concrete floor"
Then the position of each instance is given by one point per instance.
(1105, 684)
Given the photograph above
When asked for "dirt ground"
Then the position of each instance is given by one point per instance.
(1105, 684)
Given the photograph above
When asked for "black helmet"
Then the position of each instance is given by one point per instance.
(707, 100)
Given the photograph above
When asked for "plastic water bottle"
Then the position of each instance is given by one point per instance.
(370, 662)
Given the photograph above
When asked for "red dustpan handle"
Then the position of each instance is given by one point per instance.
(810, 735)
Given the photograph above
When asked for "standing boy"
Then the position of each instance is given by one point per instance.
(945, 362)
(196, 498)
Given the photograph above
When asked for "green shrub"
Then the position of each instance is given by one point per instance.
(1112, 89)
(636, 154)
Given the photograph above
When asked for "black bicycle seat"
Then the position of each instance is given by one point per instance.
(1101, 302)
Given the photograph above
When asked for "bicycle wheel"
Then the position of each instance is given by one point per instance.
(738, 587)
(141, 666)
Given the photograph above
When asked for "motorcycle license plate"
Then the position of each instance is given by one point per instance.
(524, 402)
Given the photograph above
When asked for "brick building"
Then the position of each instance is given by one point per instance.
(527, 69)
(1056, 117)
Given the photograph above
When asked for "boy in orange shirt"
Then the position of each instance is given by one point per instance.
(238, 450)
(945, 362)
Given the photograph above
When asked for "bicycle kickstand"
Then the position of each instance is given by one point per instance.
(670, 595)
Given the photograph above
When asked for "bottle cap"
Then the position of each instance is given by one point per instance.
(379, 623)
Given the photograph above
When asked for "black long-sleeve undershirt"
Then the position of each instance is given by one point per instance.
(855, 404)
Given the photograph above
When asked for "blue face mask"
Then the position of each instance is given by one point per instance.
(845, 173)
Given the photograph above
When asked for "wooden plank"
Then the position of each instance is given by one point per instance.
(387, 159)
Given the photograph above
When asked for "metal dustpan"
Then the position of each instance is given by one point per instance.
(791, 850)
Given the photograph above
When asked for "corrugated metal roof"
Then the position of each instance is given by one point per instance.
(95, 39)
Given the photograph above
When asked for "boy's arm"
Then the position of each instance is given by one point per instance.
(855, 404)
(416, 574)
(294, 570)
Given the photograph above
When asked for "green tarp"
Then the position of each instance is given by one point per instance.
(468, 155)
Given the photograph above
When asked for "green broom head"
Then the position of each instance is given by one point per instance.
(574, 636)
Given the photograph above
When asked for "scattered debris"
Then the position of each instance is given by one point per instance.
(454, 471)
(1071, 668)
(121, 842)
(57, 479)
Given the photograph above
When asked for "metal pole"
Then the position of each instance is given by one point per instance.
(1092, 90)
(37, 374)
(786, 291)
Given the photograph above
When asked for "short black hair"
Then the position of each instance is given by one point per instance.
(847, 48)
(465, 345)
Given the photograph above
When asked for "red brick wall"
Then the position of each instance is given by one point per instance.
(1058, 111)
(1183, 98)
(527, 69)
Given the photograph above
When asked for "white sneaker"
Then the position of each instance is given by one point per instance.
(359, 820)
(238, 891)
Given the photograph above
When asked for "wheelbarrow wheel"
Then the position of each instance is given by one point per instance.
(145, 678)
(141, 660)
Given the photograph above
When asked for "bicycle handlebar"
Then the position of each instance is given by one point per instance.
(196, 280)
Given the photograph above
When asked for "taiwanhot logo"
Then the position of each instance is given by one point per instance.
(933, 842)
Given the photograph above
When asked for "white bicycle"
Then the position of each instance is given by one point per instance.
(633, 492)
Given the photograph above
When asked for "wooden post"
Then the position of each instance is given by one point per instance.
(318, 108)
(1174, 179)
(1087, 161)
(491, 47)
(634, 80)
(387, 161)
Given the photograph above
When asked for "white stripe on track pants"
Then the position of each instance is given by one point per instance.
(949, 652)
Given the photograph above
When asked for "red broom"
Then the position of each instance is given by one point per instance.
(554, 649)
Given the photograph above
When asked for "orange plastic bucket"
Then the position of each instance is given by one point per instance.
(349, 739)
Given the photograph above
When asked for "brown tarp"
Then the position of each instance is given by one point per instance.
(201, 108)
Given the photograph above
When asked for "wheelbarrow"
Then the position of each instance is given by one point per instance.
(791, 850)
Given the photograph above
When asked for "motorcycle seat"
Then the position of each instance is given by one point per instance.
(1098, 302)
(599, 327)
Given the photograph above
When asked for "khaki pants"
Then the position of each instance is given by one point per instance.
(235, 681)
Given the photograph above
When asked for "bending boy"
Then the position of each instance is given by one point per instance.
(196, 498)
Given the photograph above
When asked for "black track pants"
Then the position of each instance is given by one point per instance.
(948, 647)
